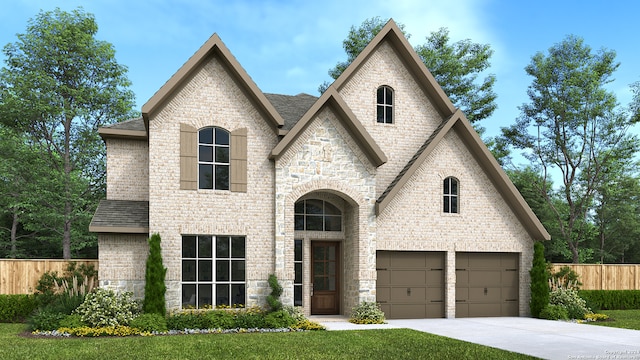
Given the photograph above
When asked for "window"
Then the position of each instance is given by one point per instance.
(213, 159)
(385, 105)
(317, 215)
(450, 195)
(213, 270)
(297, 281)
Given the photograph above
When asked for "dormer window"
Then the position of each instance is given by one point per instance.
(450, 196)
(385, 105)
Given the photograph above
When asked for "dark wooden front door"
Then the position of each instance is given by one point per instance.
(325, 296)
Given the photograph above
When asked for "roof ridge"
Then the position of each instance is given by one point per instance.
(413, 159)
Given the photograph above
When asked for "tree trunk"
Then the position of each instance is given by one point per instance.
(14, 235)
(66, 237)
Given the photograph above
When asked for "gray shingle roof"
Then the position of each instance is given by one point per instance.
(121, 216)
(136, 124)
(291, 107)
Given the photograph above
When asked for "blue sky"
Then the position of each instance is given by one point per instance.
(287, 47)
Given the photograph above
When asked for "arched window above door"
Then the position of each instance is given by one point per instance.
(317, 215)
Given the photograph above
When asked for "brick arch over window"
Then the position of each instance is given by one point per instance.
(189, 159)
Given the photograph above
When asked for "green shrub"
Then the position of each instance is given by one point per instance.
(278, 320)
(220, 319)
(250, 318)
(190, 319)
(72, 321)
(154, 288)
(570, 300)
(566, 278)
(539, 281)
(149, 323)
(276, 290)
(17, 308)
(64, 303)
(612, 299)
(367, 313)
(554, 312)
(45, 320)
(104, 307)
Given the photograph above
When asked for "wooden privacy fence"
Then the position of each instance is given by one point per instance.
(605, 276)
(20, 276)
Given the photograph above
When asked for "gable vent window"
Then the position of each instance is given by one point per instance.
(317, 215)
(451, 202)
(385, 105)
(213, 159)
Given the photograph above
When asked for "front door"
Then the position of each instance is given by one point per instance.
(325, 268)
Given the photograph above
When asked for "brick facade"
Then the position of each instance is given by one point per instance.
(322, 160)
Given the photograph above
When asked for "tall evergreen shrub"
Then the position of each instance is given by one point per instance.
(539, 281)
(154, 287)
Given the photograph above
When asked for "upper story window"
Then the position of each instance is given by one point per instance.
(385, 105)
(317, 215)
(213, 159)
(451, 195)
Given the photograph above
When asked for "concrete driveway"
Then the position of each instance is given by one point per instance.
(541, 338)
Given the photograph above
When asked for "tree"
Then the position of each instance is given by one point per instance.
(154, 286)
(539, 281)
(574, 128)
(456, 66)
(59, 85)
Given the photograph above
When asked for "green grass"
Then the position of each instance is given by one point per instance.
(359, 344)
(626, 319)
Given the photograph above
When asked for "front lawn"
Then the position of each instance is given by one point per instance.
(626, 319)
(358, 344)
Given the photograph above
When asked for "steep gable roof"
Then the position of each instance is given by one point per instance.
(291, 107)
(459, 123)
(212, 47)
(392, 33)
(349, 120)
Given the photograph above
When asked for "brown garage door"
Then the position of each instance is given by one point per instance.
(410, 285)
(486, 284)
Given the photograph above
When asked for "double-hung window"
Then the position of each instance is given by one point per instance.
(450, 195)
(213, 158)
(385, 105)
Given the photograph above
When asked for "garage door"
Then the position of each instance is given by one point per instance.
(487, 284)
(410, 285)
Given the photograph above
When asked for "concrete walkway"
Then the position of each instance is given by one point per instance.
(541, 338)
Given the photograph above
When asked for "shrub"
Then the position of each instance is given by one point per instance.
(539, 281)
(564, 278)
(250, 318)
(221, 319)
(104, 307)
(276, 290)
(149, 323)
(278, 319)
(190, 319)
(154, 288)
(306, 324)
(554, 312)
(570, 300)
(611, 299)
(74, 281)
(16, 308)
(367, 313)
(45, 320)
(72, 321)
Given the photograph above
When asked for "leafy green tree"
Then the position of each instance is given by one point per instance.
(456, 66)
(154, 287)
(617, 217)
(59, 85)
(572, 127)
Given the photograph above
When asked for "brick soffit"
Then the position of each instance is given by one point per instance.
(212, 47)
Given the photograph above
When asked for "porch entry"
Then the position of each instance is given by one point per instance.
(325, 270)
